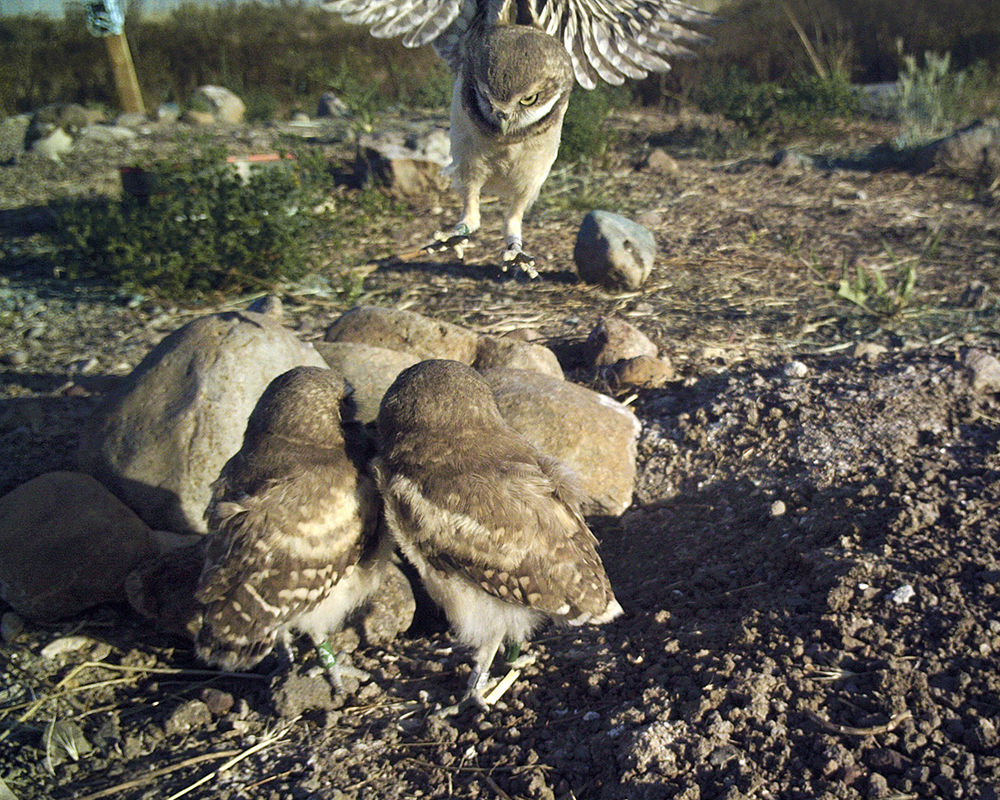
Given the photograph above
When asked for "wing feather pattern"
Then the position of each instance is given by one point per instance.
(518, 535)
(608, 40)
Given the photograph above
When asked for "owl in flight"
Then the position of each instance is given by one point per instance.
(514, 63)
(492, 525)
(293, 542)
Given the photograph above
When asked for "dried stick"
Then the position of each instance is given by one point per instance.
(266, 741)
(158, 773)
(847, 730)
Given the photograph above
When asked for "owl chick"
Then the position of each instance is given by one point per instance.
(514, 63)
(293, 540)
(492, 525)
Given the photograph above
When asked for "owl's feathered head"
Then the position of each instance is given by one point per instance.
(517, 77)
(305, 404)
(437, 395)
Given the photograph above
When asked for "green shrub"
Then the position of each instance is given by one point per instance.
(584, 133)
(800, 103)
(200, 228)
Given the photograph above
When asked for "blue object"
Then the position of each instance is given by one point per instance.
(105, 17)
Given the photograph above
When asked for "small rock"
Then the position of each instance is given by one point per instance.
(904, 594)
(983, 369)
(504, 351)
(54, 129)
(790, 161)
(777, 509)
(11, 627)
(192, 715)
(660, 162)
(66, 544)
(409, 166)
(405, 332)
(392, 608)
(218, 702)
(14, 358)
(981, 735)
(269, 305)
(869, 351)
(613, 251)
(222, 104)
(643, 372)
(796, 369)
(614, 340)
(878, 786)
(369, 370)
(594, 435)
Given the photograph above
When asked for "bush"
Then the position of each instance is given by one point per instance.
(584, 134)
(802, 102)
(200, 228)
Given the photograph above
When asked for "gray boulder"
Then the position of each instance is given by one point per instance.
(369, 370)
(405, 332)
(504, 351)
(593, 434)
(66, 544)
(221, 104)
(161, 438)
(409, 165)
(613, 251)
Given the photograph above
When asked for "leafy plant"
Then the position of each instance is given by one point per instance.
(584, 134)
(802, 102)
(924, 96)
(198, 227)
(870, 291)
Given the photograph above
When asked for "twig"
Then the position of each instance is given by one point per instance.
(37, 704)
(847, 730)
(266, 741)
(157, 773)
(505, 683)
(496, 788)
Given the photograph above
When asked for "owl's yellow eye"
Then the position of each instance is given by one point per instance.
(529, 100)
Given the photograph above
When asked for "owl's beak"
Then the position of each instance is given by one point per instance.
(503, 119)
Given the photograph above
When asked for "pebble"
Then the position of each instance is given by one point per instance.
(904, 594)
(14, 358)
(796, 369)
(778, 508)
(219, 702)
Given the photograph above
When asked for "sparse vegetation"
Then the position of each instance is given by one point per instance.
(192, 227)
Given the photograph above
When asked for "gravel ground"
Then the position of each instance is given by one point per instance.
(810, 569)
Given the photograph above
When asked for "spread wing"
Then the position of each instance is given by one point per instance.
(514, 529)
(608, 40)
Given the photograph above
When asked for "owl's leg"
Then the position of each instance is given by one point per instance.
(337, 669)
(478, 681)
(468, 225)
(514, 256)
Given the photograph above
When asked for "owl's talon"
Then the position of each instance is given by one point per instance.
(456, 241)
(515, 258)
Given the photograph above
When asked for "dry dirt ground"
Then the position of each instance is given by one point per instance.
(810, 570)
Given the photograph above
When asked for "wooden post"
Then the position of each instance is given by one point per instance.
(126, 81)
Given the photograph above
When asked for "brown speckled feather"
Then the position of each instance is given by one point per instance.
(292, 515)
